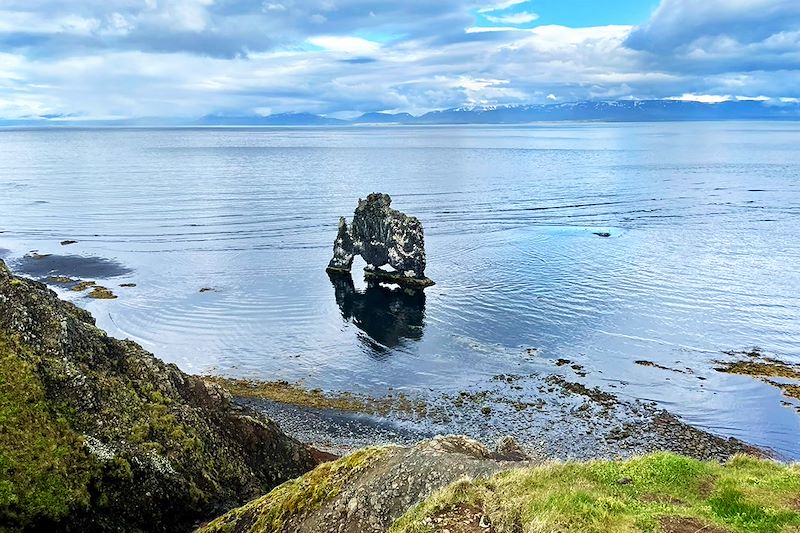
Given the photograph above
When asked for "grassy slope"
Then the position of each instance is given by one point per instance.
(744, 495)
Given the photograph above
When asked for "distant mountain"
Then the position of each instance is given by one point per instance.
(614, 111)
(598, 111)
(385, 118)
(281, 119)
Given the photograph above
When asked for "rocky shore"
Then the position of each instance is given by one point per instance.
(566, 421)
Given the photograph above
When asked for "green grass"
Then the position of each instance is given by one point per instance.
(44, 466)
(744, 495)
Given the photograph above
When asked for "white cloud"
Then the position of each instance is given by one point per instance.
(500, 6)
(269, 6)
(702, 98)
(192, 57)
(11, 21)
(722, 35)
(490, 29)
(516, 18)
(349, 45)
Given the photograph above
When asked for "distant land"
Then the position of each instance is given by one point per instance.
(596, 111)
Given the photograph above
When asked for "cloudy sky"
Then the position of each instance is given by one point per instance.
(185, 58)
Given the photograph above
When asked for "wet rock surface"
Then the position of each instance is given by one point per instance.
(99, 435)
(381, 236)
(339, 432)
(552, 416)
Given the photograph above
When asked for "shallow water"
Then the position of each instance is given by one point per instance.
(703, 254)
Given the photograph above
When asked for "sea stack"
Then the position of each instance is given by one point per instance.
(381, 236)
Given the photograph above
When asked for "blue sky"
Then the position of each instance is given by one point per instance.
(186, 58)
(579, 13)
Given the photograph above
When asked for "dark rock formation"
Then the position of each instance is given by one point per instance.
(99, 435)
(382, 236)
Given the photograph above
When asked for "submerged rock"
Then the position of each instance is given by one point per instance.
(99, 435)
(381, 236)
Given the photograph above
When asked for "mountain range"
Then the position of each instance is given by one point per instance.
(599, 111)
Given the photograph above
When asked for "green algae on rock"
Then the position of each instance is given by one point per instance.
(83, 285)
(763, 368)
(99, 435)
(101, 293)
(289, 393)
(60, 280)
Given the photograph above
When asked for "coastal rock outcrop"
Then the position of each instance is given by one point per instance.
(367, 491)
(381, 236)
(99, 435)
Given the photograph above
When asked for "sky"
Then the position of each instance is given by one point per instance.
(82, 59)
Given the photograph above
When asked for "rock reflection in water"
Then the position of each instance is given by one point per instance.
(388, 316)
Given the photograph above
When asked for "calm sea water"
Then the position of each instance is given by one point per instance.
(703, 257)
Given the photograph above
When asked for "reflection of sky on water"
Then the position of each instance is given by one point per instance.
(703, 221)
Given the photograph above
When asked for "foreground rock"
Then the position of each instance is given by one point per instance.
(381, 236)
(456, 485)
(98, 435)
(370, 489)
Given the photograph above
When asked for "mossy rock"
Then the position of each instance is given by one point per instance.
(285, 507)
(98, 435)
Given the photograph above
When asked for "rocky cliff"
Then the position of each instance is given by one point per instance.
(99, 435)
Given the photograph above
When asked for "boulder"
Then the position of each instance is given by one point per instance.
(367, 491)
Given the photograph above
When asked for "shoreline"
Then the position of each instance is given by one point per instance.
(576, 423)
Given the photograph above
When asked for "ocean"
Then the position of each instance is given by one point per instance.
(640, 253)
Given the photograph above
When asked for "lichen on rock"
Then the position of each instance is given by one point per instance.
(382, 236)
(367, 491)
(99, 435)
